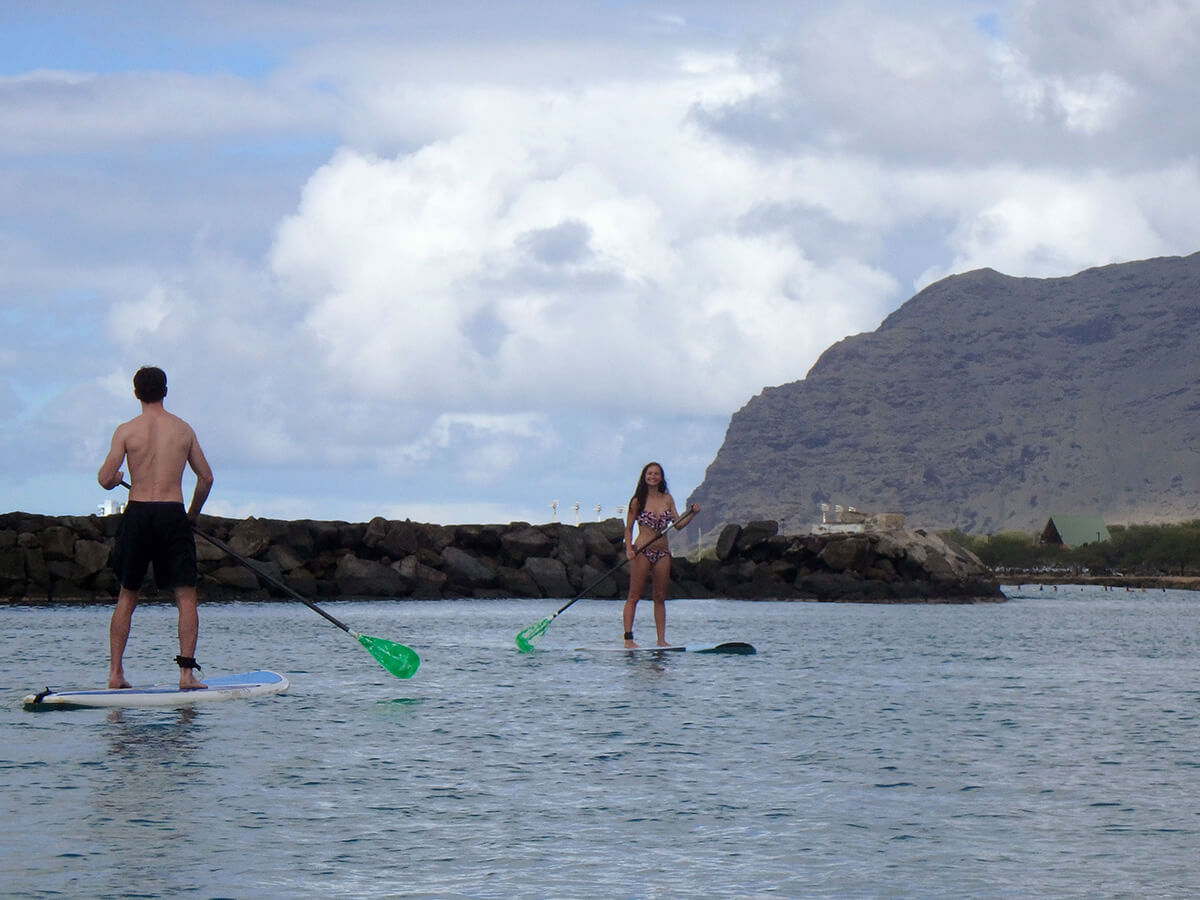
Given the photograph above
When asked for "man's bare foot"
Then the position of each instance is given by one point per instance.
(118, 681)
(189, 682)
(630, 645)
(663, 644)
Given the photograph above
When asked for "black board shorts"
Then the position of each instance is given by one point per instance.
(158, 533)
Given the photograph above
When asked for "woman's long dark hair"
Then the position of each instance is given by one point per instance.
(643, 489)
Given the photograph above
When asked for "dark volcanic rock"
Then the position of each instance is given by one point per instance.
(465, 572)
(987, 403)
(550, 575)
(525, 542)
(366, 578)
(58, 559)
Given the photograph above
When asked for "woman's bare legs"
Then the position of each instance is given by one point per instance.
(661, 581)
(638, 570)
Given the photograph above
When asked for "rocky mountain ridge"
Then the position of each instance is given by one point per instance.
(987, 403)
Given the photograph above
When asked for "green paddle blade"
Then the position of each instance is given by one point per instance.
(396, 658)
(526, 638)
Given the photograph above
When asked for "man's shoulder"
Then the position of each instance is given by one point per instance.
(177, 423)
(148, 422)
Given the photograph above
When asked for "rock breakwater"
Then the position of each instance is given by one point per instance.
(65, 558)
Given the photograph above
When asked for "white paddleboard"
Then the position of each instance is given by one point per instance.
(736, 647)
(226, 687)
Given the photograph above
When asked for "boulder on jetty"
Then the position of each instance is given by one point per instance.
(65, 558)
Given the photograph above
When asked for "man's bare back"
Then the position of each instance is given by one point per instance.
(157, 445)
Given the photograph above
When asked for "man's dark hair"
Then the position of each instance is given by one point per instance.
(150, 384)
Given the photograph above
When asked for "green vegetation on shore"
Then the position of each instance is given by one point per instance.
(1132, 550)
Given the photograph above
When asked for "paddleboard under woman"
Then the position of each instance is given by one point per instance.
(653, 509)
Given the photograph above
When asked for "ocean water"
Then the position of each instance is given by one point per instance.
(1045, 747)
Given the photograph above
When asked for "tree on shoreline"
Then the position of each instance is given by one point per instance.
(1172, 549)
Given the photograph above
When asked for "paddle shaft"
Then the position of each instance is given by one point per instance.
(274, 582)
(624, 559)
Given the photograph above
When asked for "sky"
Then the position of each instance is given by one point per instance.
(457, 262)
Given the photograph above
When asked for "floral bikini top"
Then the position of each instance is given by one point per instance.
(657, 521)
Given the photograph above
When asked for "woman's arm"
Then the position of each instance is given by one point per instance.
(682, 521)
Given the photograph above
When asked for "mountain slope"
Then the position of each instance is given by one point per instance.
(987, 403)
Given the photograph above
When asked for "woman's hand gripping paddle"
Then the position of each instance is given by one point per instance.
(401, 661)
(525, 639)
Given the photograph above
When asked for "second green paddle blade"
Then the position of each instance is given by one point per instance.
(526, 638)
(396, 658)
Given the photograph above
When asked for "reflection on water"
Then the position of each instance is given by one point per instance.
(135, 734)
(649, 663)
(144, 794)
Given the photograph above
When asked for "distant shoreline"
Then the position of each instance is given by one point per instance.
(1131, 582)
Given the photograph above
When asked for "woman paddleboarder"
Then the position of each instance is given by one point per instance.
(653, 509)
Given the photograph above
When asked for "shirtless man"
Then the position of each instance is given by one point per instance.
(154, 528)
